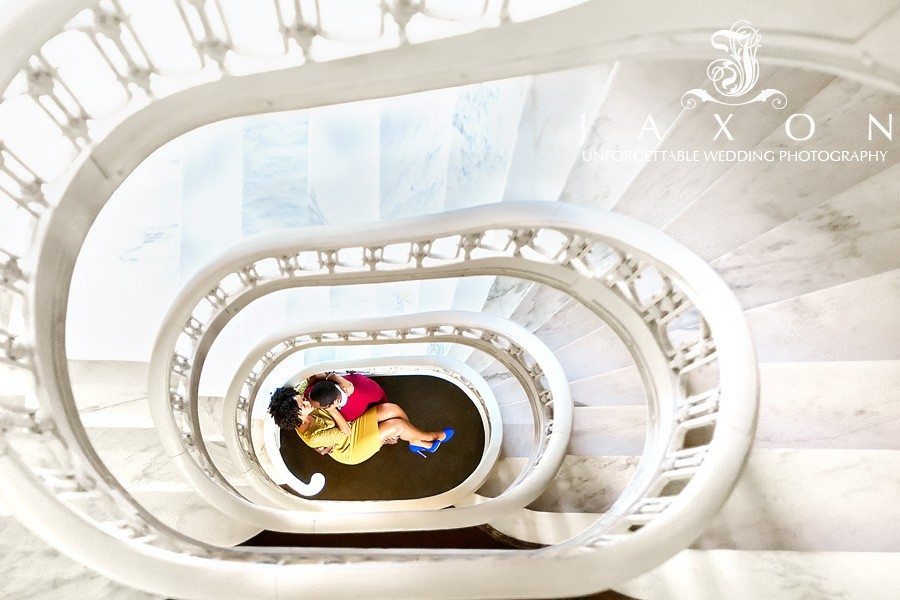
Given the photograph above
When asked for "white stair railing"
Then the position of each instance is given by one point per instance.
(605, 260)
(175, 378)
(609, 262)
(52, 478)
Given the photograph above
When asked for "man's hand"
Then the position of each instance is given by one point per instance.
(392, 440)
(325, 451)
(346, 386)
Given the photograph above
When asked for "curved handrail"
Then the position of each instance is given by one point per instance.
(593, 257)
(191, 569)
(244, 449)
(608, 287)
(174, 401)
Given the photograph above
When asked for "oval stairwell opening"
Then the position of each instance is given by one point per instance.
(395, 473)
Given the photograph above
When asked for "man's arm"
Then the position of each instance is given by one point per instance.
(342, 383)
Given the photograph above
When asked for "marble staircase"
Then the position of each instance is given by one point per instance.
(809, 249)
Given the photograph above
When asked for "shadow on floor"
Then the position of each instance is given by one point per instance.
(395, 473)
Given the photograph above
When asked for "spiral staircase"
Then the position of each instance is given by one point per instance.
(200, 200)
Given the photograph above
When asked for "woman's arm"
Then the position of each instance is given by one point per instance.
(325, 437)
(339, 420)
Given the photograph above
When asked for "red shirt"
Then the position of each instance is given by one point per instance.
(365, 393)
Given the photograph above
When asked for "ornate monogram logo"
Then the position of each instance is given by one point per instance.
(735, 76)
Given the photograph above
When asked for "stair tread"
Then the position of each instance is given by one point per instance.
(771, 507)
(705, 574)
(740, 205)
(850, 236)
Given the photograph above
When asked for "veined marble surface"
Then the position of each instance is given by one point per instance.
(802, 405)
(101, 383)
(564, 327)
(549, 134)
(851, 321)
(588, 484)
(663, 189)
(755, 197)
(546, 146)
(127, 273)
(276, 173)
(618, 387)
(788, 499)
(850, 405)
(193, 516)
(485, 123)
(570, 323)
(136, 458)
(851, 236)
(414, 150)
(32, 570)
(713, 575)
(846, 500)
(595, 352)
(344, 162)
(596, 431)
(637, 90)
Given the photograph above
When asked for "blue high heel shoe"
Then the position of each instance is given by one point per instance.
(421, 450)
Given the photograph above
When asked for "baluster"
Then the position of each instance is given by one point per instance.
(14, 352)
(217, 297)
(299, 30)
(109, 24)
(523, 237)
(706, 402)
(43, 82)
(402, 11)
(30, 190)
(248, 275)
(209, 48)
(180, 365)
(12, 277)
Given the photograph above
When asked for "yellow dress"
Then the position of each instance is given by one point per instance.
(363, 441)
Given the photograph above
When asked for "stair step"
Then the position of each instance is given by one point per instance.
(193, 516)
(596, 431)
(851, 236)
(101, 383)
(542, 527)
(588, 484)
(135, 414)
(787, 499)
(547, 144)
(851, 321)
(413, 152)
(637, 89)
(833, 324)
(664, 188)
(34, 569)
(752, 198)
(706, 574)
(549, 134)
(485, 123)
(802, 405)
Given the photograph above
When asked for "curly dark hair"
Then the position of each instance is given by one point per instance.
(284, 409)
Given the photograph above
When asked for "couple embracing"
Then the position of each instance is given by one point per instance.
(346, 417)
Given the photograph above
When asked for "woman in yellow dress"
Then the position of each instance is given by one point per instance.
(321, 426)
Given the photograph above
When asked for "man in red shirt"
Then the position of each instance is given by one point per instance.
(357, 393)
